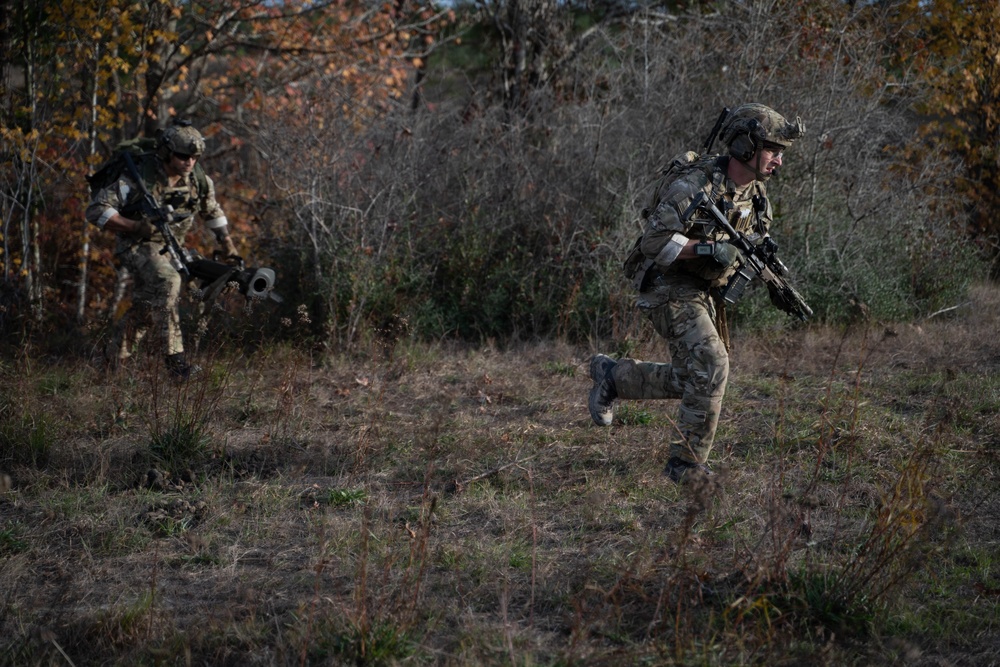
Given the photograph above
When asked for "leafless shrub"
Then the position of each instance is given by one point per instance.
(476, 222)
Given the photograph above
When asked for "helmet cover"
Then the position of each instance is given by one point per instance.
(751, 125)
(183, 139)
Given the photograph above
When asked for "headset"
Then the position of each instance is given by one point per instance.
(745, 144)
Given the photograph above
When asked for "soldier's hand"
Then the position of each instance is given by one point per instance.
(725, 254)
(229, 248)
(778, 299)
(143, 230)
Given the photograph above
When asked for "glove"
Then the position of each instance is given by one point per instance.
(229, 248)
(777, 299)
(143, 230)
(725, 254)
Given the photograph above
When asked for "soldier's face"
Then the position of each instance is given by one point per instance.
(770, 159)
(180, 164)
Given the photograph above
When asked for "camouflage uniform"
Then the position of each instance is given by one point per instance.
(157, 283)
(676, 296)
(677, 300)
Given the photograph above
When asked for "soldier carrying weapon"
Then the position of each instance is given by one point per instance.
(170, 176)
(706, 236)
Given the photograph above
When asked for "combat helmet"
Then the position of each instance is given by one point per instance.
(181, 138)
(751, 125)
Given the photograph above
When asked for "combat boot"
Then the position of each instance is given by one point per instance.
(178, 367)
(679, 470)
(603, 394)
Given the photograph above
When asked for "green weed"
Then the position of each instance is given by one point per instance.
(631, 414)
(345, 497)
(26, 437)
(382, 643)
(10, 539)
(181, 443)
(168, 526)
(560, 368)
(818, 598)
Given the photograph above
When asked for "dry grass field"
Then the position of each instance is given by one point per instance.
(437, 505)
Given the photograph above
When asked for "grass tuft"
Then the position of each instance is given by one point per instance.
(180, 444)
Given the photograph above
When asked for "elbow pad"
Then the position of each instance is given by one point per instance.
(671, 250)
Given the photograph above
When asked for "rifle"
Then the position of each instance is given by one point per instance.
(160, 217)
(715, 130)
(254, 283)
(758, 261)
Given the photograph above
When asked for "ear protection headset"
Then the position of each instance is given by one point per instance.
(747, 139)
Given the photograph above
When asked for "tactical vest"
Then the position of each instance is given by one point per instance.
(636, 264)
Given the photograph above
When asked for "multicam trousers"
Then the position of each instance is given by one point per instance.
(697, 372)
(155, 300)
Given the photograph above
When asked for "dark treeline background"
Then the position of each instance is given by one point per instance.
(475, 171)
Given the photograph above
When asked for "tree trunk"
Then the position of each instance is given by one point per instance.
(81, 294)
(30, 259)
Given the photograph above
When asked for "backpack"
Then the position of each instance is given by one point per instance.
(142, 151)
(679, 165)
(636, 264)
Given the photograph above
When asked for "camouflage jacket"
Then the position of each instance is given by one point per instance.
(667, 231)
(187, 197)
